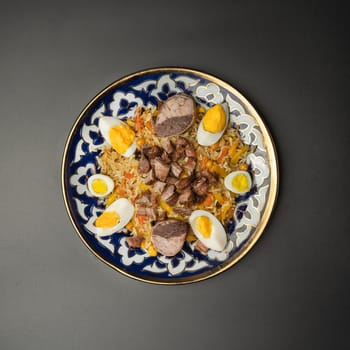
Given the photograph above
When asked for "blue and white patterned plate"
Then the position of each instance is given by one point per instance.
(84, 144)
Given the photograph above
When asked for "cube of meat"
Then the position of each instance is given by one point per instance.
(161, 169)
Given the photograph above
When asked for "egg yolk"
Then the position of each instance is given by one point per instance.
(214, 119)
(204, 226)
(99, 186)
(107, 219)
(240, 182)
(121, 137)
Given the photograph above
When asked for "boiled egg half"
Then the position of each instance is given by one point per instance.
(238, 182)
(213, 124)
(208, 230)
(100, 185)
(114, 218)
(118, 135)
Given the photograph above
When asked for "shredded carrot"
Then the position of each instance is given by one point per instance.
(215, 146)
(149, 125)
(203, 161)
(142, 219)
(139, 123)
(222, 154)
(208, 201)
(129, 175)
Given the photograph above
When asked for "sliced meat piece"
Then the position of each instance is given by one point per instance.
(149, 179)
(159, 186)
(134, 241)
(201, 247)
(176, 169)
(168, 192)
(165, 157)
(153, 152)
(171, 180)
(144, 165)
(168, 146)
(176, 155)
(190, 164)
(154, 200)
(173, 199)
(181, 141)
(169, 236)
(190, 151)
(182, 211)
(183, 183)
(145, 199)
(186, 197)
(212, 177)
(149, 212)
(161, 169)
(200, 186)
(175, 115)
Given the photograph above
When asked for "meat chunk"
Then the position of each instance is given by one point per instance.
(176, 169)
(169, 236)
(176, 155)
(175, 115)
(154, 200)
(186, 197)
(201, 247)
(149, 212)
(181, 141)
(190, 151)
(168, 146)
(161, 169)
(171, 180)
(212, 177)
(152, 152)
(165, 157)
(173, 199)
(159, 186)
(168, 192)
(145, 199)
(144, 165)
(183, 183)
(200, 186)
(190, 164)
(182, 211)
(149, 179)
(134, 241)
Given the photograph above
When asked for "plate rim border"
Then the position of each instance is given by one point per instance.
(273, 165)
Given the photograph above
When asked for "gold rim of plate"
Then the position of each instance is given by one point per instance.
(274, 178)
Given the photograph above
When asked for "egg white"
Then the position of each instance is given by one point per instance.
(206, 138)
(106, 179)
(218, 238)
(125, 211)
(105, 124)
(229, 178)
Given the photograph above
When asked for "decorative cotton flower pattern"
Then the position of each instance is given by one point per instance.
(223, 255)
(79, 179)
(210, 94)
(124, 105)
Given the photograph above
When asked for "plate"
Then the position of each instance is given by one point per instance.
(84, 144)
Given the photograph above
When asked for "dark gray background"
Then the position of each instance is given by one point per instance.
(291, 60)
